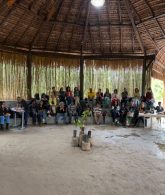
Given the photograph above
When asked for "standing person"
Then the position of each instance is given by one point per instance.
(97, 111)
(107, 98)
(69, 95)
(4, 116)
(23, 104)
(77, 96)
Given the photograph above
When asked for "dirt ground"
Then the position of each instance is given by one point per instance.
(123, 161)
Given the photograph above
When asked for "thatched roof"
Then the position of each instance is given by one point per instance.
(72, 26)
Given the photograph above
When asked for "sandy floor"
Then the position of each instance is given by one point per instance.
(41, 161)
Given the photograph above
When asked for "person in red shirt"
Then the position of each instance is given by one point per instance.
(69, 96)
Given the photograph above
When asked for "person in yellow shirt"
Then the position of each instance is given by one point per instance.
(91, 95)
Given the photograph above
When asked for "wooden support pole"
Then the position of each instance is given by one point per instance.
(144, 76)
(81, 77)
(29, 75)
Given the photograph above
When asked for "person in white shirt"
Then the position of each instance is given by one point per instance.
(97, 111)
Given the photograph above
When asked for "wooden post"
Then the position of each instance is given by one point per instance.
(144, 76)
(29, 75)
(81, 77)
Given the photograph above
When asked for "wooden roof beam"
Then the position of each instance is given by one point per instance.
(52, 10)
(77, 19)
(85, 29)
(134, 26)
(109, 20)
(63, 26)
(120, 17)
(59, 7)
(151, 18)
(11, 9)
(100, 37)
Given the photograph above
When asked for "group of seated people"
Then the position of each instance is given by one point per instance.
(66, 104)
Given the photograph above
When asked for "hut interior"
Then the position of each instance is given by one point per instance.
(96, 44)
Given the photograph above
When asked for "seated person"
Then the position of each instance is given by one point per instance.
(62, 95)
(159, 108)
(61, 111)
(115, 112)
(73, 112)
(124, 96)
(77, 96)
(40, 112)
(136, 93)
(4, 116)
(149, 98)
(33, 111)
(69, 96)
(97, 112)
(99, 96)
(107, 98)
(91, 96)
(123, 114)
(53, 96)
(52, 108)
(136, 116)
(115, 98)
(46, 106)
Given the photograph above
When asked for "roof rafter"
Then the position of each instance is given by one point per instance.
(63, 26)
(85, 29)
(73, 29)
(59, 6)
(11, 9)
(109, 26)
(134, 26)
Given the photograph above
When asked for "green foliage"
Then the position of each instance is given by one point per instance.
(82, 120)
(157, 88)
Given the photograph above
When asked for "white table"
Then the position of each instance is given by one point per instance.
(21, 111)
(151, 116)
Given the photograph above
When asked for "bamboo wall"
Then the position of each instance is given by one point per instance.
(61, 72)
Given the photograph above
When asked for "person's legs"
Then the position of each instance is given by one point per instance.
(45, 116)
(2, 122)
(70, 117)
(26, 118)
(95, 118)
(7, 120)
(34, 117)
(57, 117)
(113, 114)
(64, 117)
(40, 118)
(99, 119)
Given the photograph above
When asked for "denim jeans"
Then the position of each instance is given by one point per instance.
(61, 115)
(4, 120)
